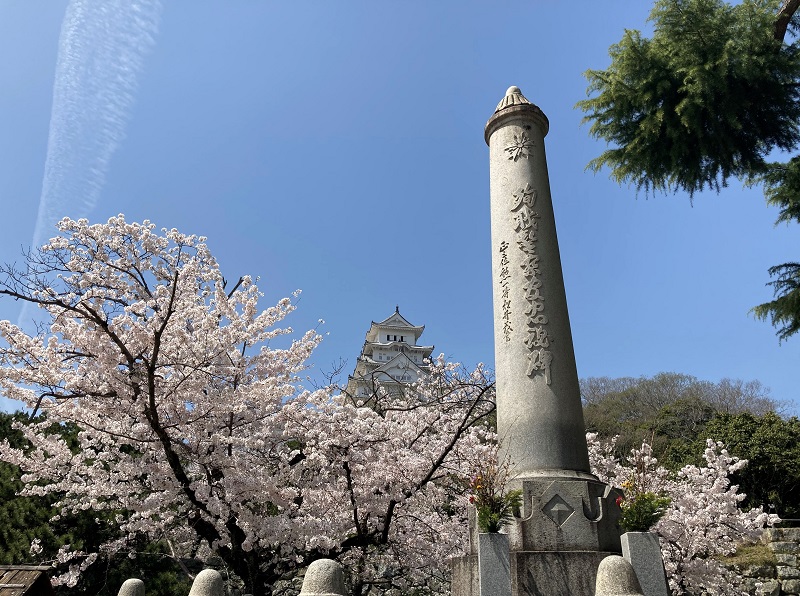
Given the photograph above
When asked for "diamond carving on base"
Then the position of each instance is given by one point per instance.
(558, 510)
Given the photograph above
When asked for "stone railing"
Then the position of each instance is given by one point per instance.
(323, 577)
(782, 577)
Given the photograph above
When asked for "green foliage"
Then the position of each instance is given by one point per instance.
(668, 411)
(784, 311)
(751, 554)
(782, 188)
(641, 511)
(158, 570)
(677, 425)
(22, 519)
(707, 98)
(494, 505)
(676, 414)
(495, 513)
(771, 445)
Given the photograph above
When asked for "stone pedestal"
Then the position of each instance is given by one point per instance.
(132, 587)
(208, 582)
(324, 577)
(568, 573)
(565, 528)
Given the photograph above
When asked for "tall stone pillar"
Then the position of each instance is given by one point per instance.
(539, 414)
(568, 520)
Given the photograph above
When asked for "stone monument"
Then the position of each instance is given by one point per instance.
(568, 521)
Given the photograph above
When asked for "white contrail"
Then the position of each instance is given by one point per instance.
(101, 51)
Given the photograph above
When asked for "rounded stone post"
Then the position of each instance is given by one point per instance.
(615, 577)
(208, 582)
(539, 414)
(131, 587)
(324, 577)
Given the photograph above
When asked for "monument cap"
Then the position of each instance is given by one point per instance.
(515, 104)
(513, 97)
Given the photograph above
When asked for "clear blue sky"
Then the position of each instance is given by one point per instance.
(337, 147)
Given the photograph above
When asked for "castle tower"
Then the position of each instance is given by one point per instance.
(390, 357)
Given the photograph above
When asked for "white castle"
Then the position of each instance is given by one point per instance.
(390, 357)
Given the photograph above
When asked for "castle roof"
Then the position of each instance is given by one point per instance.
(395, 322)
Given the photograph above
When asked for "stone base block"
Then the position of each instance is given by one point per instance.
(560, 514)
(542, 573)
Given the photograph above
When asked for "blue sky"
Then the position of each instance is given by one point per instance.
(337, 147)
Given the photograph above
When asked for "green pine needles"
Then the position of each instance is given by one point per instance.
(708, 97)
(784, 310)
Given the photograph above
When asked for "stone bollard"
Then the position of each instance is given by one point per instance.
(615, 577)
(207, 583)
(132, 587)
(324, 577)
(493, 565)
(642, 551)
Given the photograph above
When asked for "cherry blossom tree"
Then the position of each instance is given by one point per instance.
(195, 429)
(401, 468)
(703, 520)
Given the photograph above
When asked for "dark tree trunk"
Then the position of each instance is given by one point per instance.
(787, 9)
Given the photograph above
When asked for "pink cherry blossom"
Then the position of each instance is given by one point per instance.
(703, 520)
(196, 429)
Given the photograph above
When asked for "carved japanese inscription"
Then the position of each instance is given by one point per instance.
(505, 281)
(521, 147)
(536, 338)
